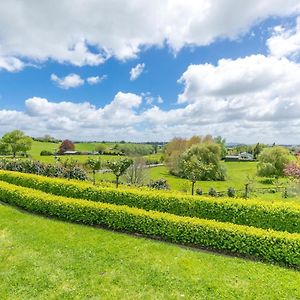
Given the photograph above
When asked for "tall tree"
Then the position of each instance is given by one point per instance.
(17, 141)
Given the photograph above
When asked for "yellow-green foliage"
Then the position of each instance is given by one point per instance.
(274, 215)
(265, 244)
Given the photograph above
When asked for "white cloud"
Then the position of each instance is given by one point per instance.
(11, 64)
(285, 41)
(25, 32)
(136, 71)
(70, 81)
(95, 79)
(256, 98)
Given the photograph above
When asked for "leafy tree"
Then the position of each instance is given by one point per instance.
(272, 161)
(137, 172)
(4, 148)
(201, 162)
(66, 145)
(119, 167)
(256, 150)
(17, 141)
(222, 142)
(101, 148)
(94, 165)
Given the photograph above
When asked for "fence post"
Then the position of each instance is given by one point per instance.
(285, 193)
(246, 190)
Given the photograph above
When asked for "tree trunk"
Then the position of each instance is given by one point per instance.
(193, 186)
(117, 181)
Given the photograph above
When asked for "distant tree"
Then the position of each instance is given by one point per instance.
(94, 165)
(256, 150)
(137, 172)
(101, 148)
(292, 169)
(119, 167)
(66, 145)
(17, 141)
(222, 142)
(272, 161)
(201, 162)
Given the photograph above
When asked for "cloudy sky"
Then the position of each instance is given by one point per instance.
(144, 70)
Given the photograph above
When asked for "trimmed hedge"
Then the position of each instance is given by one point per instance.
(269, 245)
(268, 215)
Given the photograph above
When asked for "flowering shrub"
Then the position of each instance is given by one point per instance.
(49, 170)
(293, 170)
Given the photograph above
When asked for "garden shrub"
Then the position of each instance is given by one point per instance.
(159, 184)
(46, 153)
(212, 192)
(231, 192)
(269, 245)
(39, 168)
(280, 215)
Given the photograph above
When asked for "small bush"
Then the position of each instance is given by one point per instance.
(160, 184)
(231, 192)
(199, 191)
(212, 192)
(46, 153)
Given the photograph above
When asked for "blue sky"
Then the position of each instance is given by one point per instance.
(252, 96)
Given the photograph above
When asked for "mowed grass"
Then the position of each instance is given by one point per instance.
(42, 258)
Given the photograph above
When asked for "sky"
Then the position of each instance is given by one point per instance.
(142, 70)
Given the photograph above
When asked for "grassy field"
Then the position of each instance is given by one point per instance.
(37, 147)
(48, 259)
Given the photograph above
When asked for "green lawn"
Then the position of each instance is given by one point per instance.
(48, 259)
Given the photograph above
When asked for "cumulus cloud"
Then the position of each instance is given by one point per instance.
(70, 81)
(285, 41)
(25, 31)
(95, 79)
(11, 64)
(136, 71)
(258, 100)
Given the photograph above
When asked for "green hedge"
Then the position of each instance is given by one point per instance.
(262, 214)
(265, 244)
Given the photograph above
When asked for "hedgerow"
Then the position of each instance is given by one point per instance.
(268, 215)
(269, 245)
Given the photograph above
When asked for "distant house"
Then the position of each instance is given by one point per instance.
(245, 156)
(71, 152)
(232, 158)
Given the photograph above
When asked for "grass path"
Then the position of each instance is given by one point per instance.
(47, 259)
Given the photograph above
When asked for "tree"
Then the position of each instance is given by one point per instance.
(256, 150)
(101, 148)
(272, 161)
(17, 141)
(222, 142)
(66, 145)
(137, 172)
(4, 148)
(202, 162)
(119, 167)
(94, 165)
